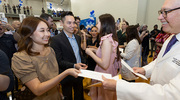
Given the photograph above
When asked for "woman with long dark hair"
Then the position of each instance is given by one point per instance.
(132, 50)
(35, 62)
(107, 55)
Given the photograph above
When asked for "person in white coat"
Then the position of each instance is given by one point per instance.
(164, 71)
(132, 52)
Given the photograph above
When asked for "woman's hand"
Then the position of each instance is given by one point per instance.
(73, 72)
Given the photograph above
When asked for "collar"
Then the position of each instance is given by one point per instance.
(178, 36)
(73, 37)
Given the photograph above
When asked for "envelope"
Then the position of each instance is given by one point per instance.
(99, 84)
(94, 75)
(128, 67)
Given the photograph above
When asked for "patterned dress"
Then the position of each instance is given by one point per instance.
(99, 93)
(160, 38)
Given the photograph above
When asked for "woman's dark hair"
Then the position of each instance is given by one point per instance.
(82, 27)
(132, 33)
(108, 27)
(126, 23)
(45, 16)
(93, 27)
(26, 29)
(77, 18)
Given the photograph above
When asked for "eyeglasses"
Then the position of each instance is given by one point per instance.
(164, 13)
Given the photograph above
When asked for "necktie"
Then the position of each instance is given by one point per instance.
(170, 44)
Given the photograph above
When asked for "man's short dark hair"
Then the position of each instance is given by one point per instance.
(76, 18)
(156, 25)
(45, 16)
(66, 13)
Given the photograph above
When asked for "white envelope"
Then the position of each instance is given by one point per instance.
(94, 75)
(128, 67)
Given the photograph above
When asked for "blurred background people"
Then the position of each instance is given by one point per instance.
(49, 19)
(160, 39)
(6, 76)
(122, 34)
(153, 35)
(145, 44)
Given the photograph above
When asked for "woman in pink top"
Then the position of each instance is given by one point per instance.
(107, 55)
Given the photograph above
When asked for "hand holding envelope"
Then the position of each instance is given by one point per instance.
(129, 68)
(97, 76)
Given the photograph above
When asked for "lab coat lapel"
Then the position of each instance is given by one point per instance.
(174, 51)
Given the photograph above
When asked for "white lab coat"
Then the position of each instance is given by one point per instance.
(165, 78)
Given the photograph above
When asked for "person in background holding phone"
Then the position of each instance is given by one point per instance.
(118, 24)
(145, 44)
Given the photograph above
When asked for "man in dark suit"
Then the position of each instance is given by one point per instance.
(67, 47)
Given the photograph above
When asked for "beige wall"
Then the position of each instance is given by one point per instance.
(134, 11)
(152, 13)
(141, 14)
(118, 8)
(37, 5)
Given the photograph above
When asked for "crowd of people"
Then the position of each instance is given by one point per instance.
(47, 62)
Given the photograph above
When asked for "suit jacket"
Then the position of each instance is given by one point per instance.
(64, 53)
(165, 78)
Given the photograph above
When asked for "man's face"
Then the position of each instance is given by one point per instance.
(144, 27)
(171, 23)
(68, 24)
(78, 21)
(75, 29)
(50, 22)
(16, 25)
(124, 25)
(155, 27)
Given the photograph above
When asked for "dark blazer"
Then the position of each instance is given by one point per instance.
(64, 52)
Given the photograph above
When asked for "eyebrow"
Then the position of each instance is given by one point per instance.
(44, 28)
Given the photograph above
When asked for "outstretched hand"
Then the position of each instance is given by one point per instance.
(109, 84)
(73, 72)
